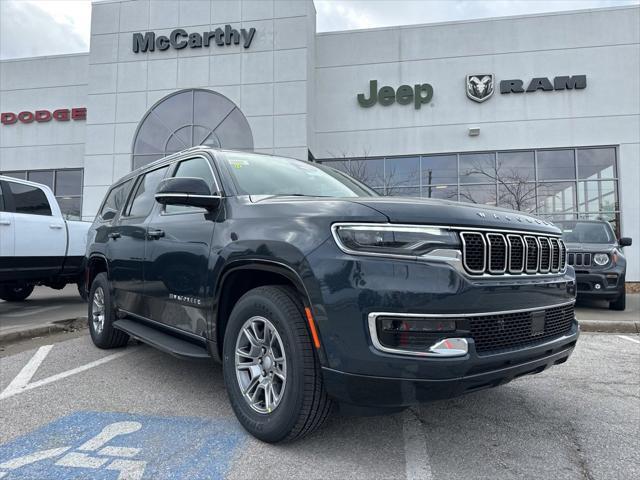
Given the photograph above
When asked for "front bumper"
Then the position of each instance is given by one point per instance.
(456, 377)
(351, 288)
(604, 285)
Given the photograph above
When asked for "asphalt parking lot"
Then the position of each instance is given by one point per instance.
(69, 410)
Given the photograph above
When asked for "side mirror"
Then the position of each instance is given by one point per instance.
(186, 191)
(108, 215)
(625, 241)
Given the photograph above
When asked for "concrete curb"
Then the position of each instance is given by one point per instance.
(69, 325)
(609, 326)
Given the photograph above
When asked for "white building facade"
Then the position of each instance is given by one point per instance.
(537, 113)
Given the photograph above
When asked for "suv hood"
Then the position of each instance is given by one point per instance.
(448, 213)
(590, 247)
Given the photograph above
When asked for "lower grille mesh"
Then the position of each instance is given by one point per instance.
(498, 332)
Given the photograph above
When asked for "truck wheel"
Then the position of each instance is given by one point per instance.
(101, 315)
(271, 370)
(15, 293)
(619, 303)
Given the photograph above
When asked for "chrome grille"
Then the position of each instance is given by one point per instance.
(517, 251)
(496, 253)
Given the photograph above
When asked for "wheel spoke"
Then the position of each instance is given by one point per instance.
(260, 363)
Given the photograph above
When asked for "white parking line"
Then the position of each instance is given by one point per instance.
(417, 466)
(27, 312)
(629, 338)
(21, 383)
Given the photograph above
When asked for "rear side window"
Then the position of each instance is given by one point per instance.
(30, 200)
(144, 197)
(116, 198)
(1, 200)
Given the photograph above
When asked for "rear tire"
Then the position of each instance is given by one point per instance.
(15, 293)
(620, 303)
(302, 405)
(101, 315)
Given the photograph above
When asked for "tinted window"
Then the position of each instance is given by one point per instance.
(1, 201)
(144, 198)
(116, 198)
(194, 168)
(477, 168)
(30, 200)
(556, 165)
(68, 182)
(44, 177)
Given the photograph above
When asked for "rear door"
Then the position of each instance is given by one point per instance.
(6, 238)
(40, 235)
(178, 264)
(126, 242)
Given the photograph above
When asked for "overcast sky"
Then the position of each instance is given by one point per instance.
(51, 27)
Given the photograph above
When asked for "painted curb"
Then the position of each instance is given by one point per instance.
(609, 326)
(69, 325)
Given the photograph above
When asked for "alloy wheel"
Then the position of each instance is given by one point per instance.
(98, 310)
(261, 365)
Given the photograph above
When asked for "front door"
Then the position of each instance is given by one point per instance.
(39, 232)
(178, 247)
(6, 240)
(126, 243)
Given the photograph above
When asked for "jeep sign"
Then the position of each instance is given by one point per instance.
(419, 94)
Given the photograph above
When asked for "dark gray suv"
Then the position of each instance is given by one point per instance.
(596, 254)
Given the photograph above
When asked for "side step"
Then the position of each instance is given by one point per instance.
(171, 344)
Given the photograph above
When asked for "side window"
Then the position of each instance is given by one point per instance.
(115, 200)
(30, 200)
(143, 199)
(1, 200)
(194, 168)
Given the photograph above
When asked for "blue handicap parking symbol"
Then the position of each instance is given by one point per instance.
(120, 446)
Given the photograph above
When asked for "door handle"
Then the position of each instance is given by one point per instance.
(5, 222)
(55, 226)
(114, 235)
(155, 233)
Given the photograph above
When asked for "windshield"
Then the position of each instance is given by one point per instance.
(586, 232)
(266, 175)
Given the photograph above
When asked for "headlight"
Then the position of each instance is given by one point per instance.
(404, 240)
(601, 259)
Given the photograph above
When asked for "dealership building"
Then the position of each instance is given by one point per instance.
(538, 113)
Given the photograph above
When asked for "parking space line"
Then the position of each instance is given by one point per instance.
(629, 338)
(417, 466)
(21, 383)
(27, 313)
(26, 374)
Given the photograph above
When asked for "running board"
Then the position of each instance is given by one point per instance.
(171, 344)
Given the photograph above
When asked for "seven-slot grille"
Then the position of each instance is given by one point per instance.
(498, 253)
(580, 259)
(513, 330)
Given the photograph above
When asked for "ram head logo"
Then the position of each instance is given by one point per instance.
(479, 87)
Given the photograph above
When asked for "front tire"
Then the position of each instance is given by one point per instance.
(15, 293)
(271, 370)
(101, 315)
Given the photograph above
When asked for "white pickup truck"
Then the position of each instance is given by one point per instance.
(37, 245)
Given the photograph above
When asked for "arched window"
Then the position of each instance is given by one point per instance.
(188, 118)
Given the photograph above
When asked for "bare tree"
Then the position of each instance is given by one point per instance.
(516, 190)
